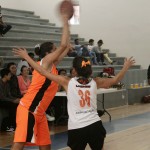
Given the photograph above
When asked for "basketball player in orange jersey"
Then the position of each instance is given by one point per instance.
(84, 124)
(32, 126)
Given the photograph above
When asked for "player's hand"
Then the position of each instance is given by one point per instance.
(129, 62)
(21, 52)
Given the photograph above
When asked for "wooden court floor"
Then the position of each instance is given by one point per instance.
(135, 138)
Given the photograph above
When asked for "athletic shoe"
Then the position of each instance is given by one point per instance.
(11, 129)
(113, 62)
(103, 63)
(50, 118)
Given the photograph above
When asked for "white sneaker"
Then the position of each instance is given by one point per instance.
(11, 129)
(50, 118)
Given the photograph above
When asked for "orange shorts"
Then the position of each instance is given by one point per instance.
(31, 128)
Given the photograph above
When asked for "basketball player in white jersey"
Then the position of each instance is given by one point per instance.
(84, 124)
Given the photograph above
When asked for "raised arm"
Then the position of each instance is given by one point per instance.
(107, 82)
(57, 78)
(54, 57)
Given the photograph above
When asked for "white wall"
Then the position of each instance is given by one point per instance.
(124, 25)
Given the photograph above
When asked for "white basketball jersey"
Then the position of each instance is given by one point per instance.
(82, 104)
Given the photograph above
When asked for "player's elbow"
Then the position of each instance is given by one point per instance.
(114, 81)
(110, 82)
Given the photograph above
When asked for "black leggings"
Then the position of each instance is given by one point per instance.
(100, 57)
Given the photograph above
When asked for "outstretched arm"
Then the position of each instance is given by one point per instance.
(57, 78)
(107, 82)
(54, 56)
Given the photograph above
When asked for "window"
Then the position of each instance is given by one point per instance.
(75, 20)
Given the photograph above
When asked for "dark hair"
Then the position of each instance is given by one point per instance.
(75, 40)
(59, 72)
(43, 48)
(23, 68)
(4, 72)
(100, 41)
(71, 70)
(85, 71)
(31, 54)
(91, 40)
(10, 64)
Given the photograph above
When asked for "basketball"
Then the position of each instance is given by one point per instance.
(66, 6)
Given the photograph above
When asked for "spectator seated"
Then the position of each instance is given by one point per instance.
(7, 101)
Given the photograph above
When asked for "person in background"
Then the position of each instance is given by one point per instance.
(62, 72)
(4, 28)
(77, 47)
(13, 82)
(92, 53)
(98, 50)
(23, 80)
(85, 51)
(7, 100)
(72, 73)
(72, 52)
(90, 45)
(23, 62)
(81, 49)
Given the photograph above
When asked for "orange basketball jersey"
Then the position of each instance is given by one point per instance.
(40, 93)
